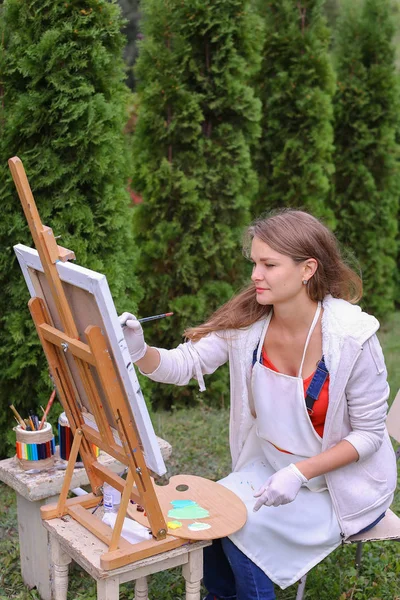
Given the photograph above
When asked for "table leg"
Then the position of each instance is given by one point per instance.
(141, 590)
(61, 562)
(193, 573)
(33, 545)
(108, 589)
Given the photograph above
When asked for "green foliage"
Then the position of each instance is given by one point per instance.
(390, 341)
(295, 84)
(197, 118)
(367, 152)
(64, 112)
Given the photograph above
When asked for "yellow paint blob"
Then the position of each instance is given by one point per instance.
(174, 524)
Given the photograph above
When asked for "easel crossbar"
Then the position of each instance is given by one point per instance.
(60, 339)
(95, 438)
(114, 480)
(50, 511)
(95, 526)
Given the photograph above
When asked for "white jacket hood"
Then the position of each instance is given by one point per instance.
(341, 321)
(348, 320)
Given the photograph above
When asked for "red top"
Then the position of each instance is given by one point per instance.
(320, 407)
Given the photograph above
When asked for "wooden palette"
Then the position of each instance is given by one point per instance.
(227, 512)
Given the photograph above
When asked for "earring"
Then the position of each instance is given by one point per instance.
(305, 281)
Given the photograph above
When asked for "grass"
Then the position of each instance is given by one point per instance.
(199, 437)
(389, 336)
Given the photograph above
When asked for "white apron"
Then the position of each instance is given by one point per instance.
(284, 541)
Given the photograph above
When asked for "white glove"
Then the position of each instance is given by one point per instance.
(134, 337)
(281, 488)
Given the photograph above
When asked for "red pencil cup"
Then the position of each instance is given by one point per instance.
(66, 438)
(35, 449)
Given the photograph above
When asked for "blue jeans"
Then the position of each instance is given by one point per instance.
(371, 525)
(231, 575)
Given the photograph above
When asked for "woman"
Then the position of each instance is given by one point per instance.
(312, 460)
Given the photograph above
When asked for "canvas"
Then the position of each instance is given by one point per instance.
(91, 303)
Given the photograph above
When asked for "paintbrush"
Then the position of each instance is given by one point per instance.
(18, 416)
(153, 318)
(47, 409)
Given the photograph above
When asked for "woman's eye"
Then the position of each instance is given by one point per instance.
(270, 265)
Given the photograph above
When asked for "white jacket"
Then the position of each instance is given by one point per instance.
(358, 392)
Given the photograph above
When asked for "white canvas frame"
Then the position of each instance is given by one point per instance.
(97, 286)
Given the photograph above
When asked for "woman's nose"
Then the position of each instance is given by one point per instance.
(256, 275)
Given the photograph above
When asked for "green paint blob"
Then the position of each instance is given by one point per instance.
(194, 511)
(198, 526)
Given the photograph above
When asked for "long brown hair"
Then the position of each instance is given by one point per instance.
(301, 236)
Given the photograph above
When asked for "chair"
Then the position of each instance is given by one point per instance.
(389, 527)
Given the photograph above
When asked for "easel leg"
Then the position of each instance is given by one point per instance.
(141, 590)
(193, 573)
(116, 534)
(108, 589)
(61, 561)
(68, 473)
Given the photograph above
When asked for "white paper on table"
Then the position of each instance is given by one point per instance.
(132, 531)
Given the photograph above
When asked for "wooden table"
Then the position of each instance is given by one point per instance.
(71, 541)
(33, 491)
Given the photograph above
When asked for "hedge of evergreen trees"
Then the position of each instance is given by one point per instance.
(198, 117)
(296, 84)
(64, 111)
(236, 105)
(367, 118)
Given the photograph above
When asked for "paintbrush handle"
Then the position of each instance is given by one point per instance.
(47, 409)
(154, 317)
(18, 416)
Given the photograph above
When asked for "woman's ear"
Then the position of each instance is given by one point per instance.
(310, 266)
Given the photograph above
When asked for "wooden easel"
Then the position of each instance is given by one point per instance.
(139, 486)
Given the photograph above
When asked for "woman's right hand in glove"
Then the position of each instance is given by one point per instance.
(134, 336)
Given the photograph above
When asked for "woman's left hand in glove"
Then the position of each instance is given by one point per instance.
(281, 488)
